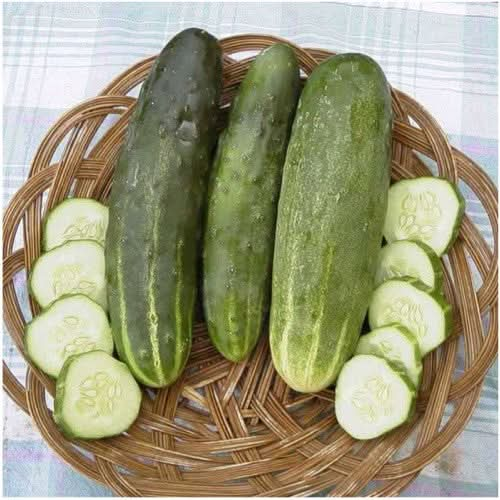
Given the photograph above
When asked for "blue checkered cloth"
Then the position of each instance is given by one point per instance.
(58, 54)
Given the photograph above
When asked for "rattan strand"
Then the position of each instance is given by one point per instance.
(236, 429)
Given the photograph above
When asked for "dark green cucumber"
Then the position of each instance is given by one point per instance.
(154, 210)
(330, 218)
(243, 197)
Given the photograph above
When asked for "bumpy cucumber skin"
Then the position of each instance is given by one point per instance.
(460, 212)
(436, 295)
(330, 217)
(59, 205)
(434, 260)
(411, 388)
(416, 350)
(154, 210)
(64, 426)
(243, 198)
(27, 327)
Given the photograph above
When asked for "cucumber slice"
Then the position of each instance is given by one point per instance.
(427, 209)
(409, 302)
(409, 258)
(371, 397)
(75, 219)
(72, 268)
(71, 325)
(96, 396)
(396, 344)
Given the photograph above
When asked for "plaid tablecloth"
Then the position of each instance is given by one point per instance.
(56, 55)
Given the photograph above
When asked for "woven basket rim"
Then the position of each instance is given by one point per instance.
(275, 442)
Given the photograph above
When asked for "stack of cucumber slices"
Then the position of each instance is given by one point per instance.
(71, 340)
(408, 314)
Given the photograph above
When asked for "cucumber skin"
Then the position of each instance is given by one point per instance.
(243, 198)
(330, 218)
(58, 400)
(460, 214)
(436, 264)
(158, 190)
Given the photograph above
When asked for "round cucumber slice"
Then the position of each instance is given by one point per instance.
(71, 325)
(76, 267)
(371, 397)
(96, 396)
(409, 258)
(75, 219)
(410, 303)
(427, 209)
(396, 344)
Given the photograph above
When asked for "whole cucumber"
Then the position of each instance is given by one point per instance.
(154, 208)
(330, 218)
(243, 195)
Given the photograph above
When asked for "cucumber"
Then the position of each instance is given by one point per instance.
(71, 325)
(409, 258)
(154, 209)
(330, 216)
(428, 209)
(243, 197)
(396, 344)
(96, 396)
(412, 304)
(372, 398)
(76, 267)
(75, 219)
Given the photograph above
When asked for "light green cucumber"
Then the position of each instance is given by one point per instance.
(330, 216)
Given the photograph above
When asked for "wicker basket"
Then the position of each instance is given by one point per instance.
(236, 429)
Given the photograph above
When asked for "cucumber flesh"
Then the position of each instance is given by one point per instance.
(409, 302)
(75, 219)
(409, 258)
(76, 267)
(96, 396)
(427, 209)
(371, 397)
(396, 344)
(71, 325)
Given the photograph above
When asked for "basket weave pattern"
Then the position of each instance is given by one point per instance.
(237, 429)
